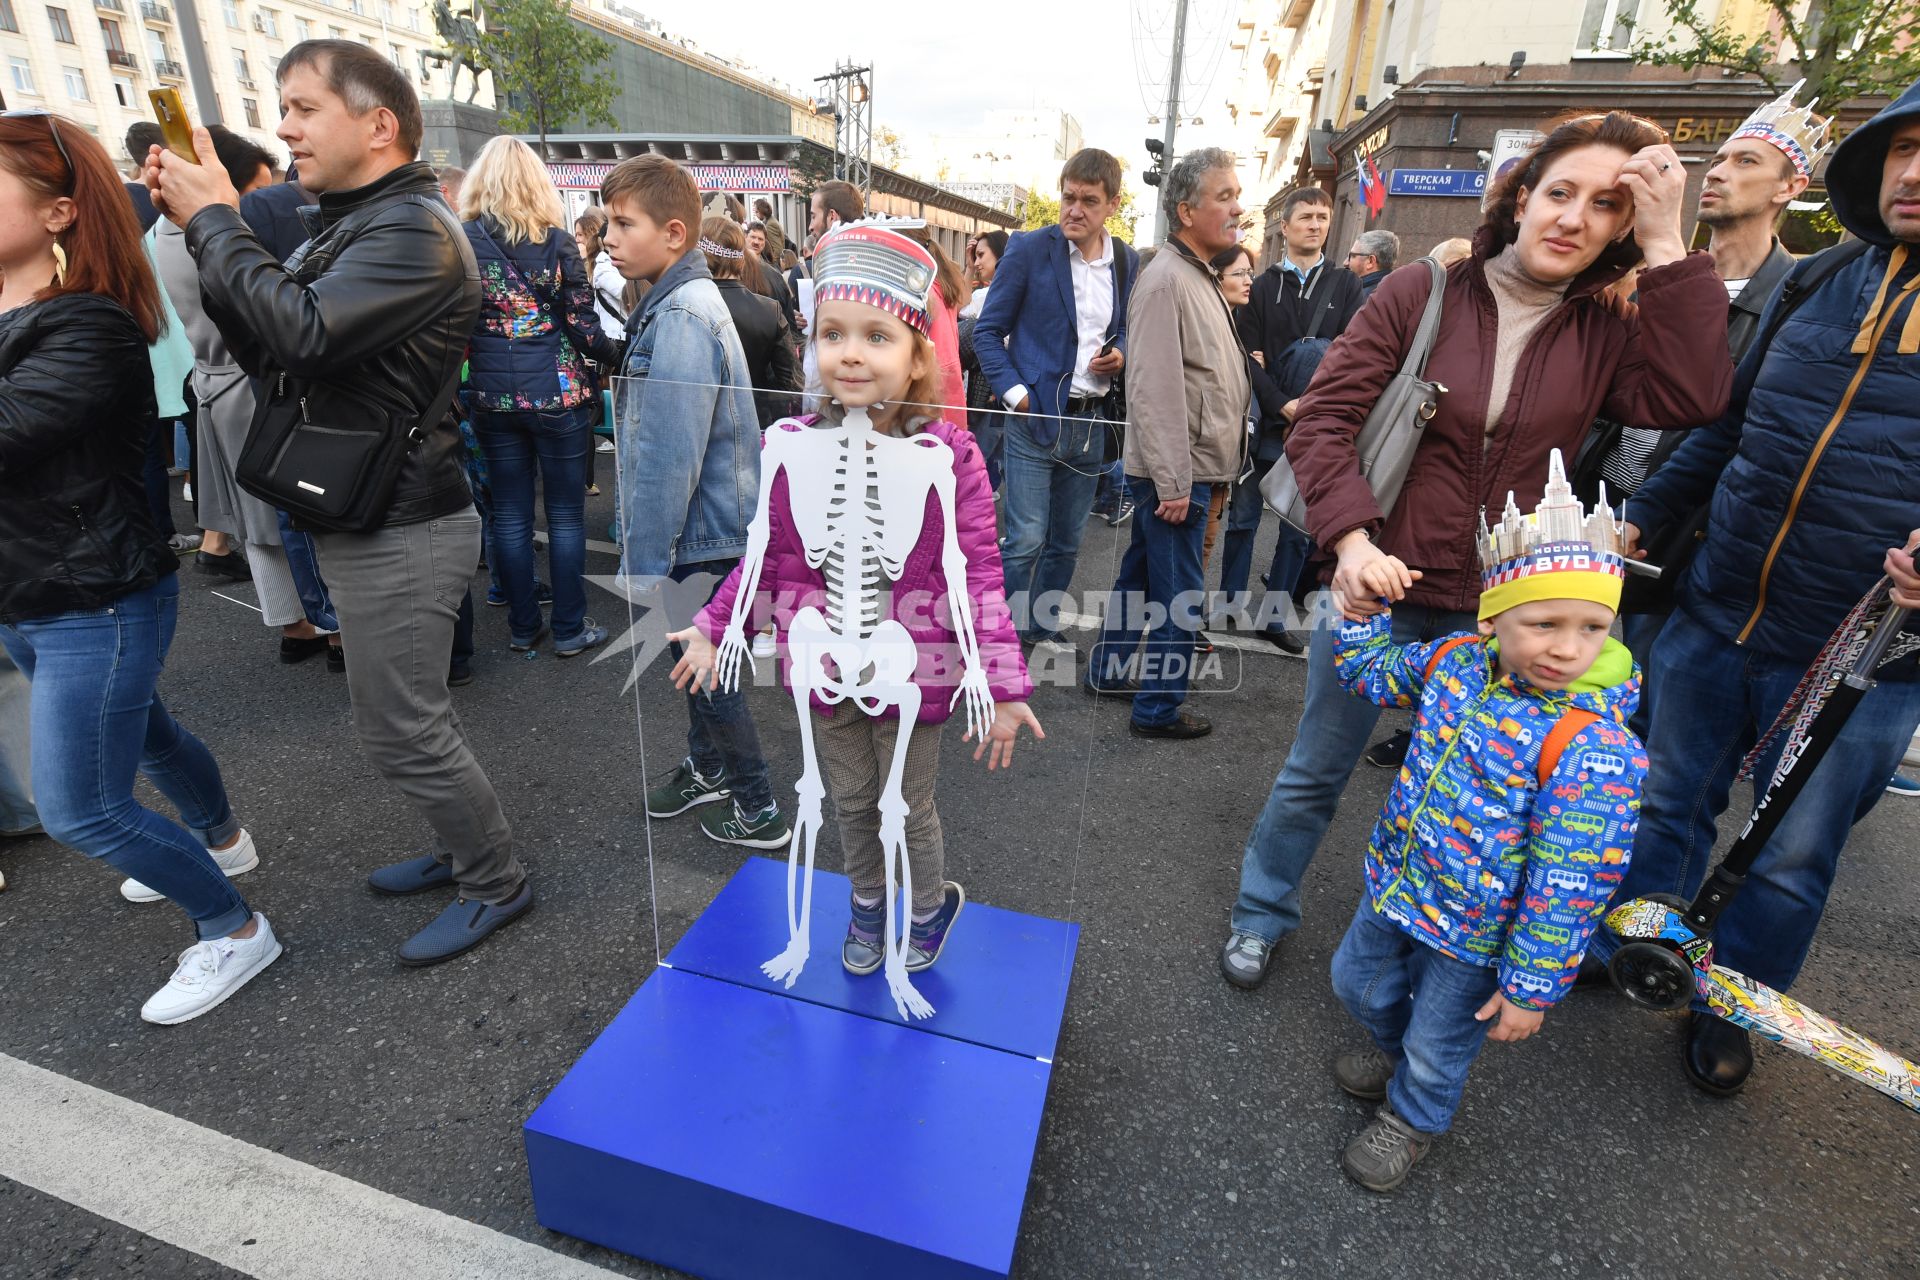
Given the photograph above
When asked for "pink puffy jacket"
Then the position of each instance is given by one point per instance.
(946, 347)
(919, 598)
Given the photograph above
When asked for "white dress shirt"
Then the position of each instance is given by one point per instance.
(1093, 313)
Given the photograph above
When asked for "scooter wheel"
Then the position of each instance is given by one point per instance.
(1652, 975)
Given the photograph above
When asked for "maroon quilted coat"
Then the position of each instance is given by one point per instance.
(1663, 364)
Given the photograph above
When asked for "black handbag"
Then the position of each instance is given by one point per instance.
(328, 455)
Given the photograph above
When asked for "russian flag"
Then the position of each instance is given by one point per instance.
(1373, 188)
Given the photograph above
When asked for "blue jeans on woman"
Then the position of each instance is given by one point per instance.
(1707, 700)
(1334, 728)
(1418, 1005)
(1290, 548)
(96, 721)
(519, 445)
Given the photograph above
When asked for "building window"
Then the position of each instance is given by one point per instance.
(303, 28)
(357, 6)
(76, 83)
(157, 46)
(337, 33)
(62, 29)
(413, 19)
(1606, 26)
(270, 23)
(399, 58)
(7, 21)
(123, 91)
(22, 76)
(241, 71)
(110, 34)
(252, 110)
(230, 9)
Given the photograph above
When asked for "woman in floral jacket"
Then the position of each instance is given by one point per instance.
(534, 400)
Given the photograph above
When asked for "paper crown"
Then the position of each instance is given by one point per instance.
(870, 261)
(1557, 553)
(1799, 134)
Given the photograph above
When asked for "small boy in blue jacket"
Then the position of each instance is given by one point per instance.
(1508, 829)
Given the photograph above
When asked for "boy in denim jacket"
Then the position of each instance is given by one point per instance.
(688, 438)
(1509, 827)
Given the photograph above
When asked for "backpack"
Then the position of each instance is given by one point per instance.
(1569, 726)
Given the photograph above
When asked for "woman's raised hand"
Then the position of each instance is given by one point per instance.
(1657, 181)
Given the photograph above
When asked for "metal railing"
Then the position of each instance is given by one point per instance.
(121, 58)
(167, 69)
(154, 12)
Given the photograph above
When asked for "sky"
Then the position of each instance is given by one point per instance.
(939, 68)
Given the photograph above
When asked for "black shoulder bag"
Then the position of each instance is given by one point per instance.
(1114, 404)
(327, 455)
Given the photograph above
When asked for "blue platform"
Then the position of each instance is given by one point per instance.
(729, 1127)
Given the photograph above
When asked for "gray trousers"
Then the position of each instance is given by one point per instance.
(856, 751)
(397, 593)
(273, 583)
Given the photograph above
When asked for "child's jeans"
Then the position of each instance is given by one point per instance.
(1418, 1004)
(856, 751)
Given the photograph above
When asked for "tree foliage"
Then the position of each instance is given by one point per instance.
(546, 67)
(1043, 210)
(1842, 48)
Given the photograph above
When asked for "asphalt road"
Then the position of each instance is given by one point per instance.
(1192, 1130)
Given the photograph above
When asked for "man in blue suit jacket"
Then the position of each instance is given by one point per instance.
(1050, 340)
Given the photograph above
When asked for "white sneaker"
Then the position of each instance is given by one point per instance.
(209, 972)
(236, 860)
(764, 644)
(605, 446)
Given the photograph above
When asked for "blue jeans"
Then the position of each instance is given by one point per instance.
(990, 433)
(96, 721)
(1334, 728)
(1290, 548)
(1418, 1005)
(555, 446)
(154, 475)
(1162, 569)
(722, 740)
(1049, 493)
(1112, 487)
(1708, 700)
(305, 567)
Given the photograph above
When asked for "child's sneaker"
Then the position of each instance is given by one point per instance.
(683, 789)
(767, 829)
(236, 859)
(863, 952)
(1384, 1153)
(929, 939)
(1364, 1073)
(211, 971)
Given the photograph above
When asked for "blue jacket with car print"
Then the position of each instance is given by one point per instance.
(1473, 855)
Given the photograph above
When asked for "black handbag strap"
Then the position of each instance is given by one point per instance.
(1119, 287)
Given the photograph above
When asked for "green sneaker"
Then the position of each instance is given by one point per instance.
(684, 789)
(768, 829)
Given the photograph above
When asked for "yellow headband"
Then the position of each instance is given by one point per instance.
(1598, 585)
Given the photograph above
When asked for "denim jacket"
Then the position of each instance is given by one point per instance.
(689, 437)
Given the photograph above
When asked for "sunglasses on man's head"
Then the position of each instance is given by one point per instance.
(52, 128)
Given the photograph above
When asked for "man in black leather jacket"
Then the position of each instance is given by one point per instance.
(384, 306)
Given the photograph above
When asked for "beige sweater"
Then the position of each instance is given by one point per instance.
(1523, 303)
(1187, 387)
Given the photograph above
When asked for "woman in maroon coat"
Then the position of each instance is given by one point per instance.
(1531, 349)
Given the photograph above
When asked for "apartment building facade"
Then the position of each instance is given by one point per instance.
(94, 60)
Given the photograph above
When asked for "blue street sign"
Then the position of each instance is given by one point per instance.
(1437, 182)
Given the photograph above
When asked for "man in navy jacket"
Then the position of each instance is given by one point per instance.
(1811, 478)
(1050, 340)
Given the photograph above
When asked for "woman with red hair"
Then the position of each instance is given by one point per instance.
(88, 588)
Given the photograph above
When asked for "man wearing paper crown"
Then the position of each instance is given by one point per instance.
(1508, 828)
(1811, 482)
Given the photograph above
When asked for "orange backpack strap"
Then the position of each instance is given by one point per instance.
(1565, 730)
(1446, 647)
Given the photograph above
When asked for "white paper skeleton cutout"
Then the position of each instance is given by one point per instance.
(859, 501)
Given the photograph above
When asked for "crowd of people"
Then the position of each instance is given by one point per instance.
(425, 351)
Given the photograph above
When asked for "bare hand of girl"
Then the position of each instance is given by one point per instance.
(696, 662)
(1007, 719)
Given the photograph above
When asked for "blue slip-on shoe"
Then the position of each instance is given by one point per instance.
(463, 926)
(1901, 785)
(415, 875)
(591, 635)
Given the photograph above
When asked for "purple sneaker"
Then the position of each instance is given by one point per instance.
(929, 939)
(861, 953)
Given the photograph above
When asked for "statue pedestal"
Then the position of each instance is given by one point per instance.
(455, 131)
